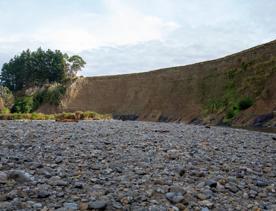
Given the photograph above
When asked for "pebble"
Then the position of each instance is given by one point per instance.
(37, 205)
(71, 206)
(97, 204)
(3, 177)
(211, 183)
(20, 176)
(232, 187)
(261, 183)
(175, 197)
(123, 165)
(43, 194)
(206, 203)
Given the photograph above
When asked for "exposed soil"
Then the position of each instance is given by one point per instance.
(183, 93)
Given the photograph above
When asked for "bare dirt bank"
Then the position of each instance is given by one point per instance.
(193, 93)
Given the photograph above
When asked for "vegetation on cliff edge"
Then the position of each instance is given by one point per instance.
(47, 71)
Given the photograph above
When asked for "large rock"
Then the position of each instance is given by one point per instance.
(20, 176)
(3, 177)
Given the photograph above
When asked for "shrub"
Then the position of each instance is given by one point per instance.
(54, 94)
(214, 105)
(51, 95)
(89, 115)
(5, 110)
(23, 105)
(231, 113)
(245, 103)
(65, 116)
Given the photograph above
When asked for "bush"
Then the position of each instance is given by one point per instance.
(23, 105)
(89, 115)
(231, 113)
(65, 116)
(51, 95)
(5, 110)
(55, 94)
(245, 103)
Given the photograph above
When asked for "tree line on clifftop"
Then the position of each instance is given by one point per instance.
(47, 71)
(36, 68)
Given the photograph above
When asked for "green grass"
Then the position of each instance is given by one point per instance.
(5, 110)
(237, 92)
(88, 115)
(245, 103)
(26, 116)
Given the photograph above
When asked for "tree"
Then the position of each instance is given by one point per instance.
(75, 63)
(38, 68)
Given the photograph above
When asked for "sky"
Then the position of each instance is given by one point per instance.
(126, 36)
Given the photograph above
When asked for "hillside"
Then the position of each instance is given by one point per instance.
(204, 92)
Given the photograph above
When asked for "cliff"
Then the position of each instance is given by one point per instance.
(202, 92)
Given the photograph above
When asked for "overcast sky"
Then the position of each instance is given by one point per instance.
(123, 36)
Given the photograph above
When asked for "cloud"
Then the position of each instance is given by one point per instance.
(145, 56)
(119, 36)
(120, 24)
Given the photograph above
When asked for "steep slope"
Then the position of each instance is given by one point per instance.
(208, 91)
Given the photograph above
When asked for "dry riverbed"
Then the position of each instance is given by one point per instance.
(115, 165)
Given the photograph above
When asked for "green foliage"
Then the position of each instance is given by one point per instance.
(65, 115)
(27, 104)
(51, 95)
(214, 105)
(54, 95)
(88, 115)
(236, 107)
(5, 110)
(38, 68)
(26, 116)
(40, 116)
(7, 96)
(75, 63)
(232, 112)
(23, 105)
(230, 102)
(79, 115)
(231, 74)
(245, 103)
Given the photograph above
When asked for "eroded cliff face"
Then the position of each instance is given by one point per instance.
(1, 104)
(183, 93)
(150, 96)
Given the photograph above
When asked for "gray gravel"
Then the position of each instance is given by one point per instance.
(115, 165)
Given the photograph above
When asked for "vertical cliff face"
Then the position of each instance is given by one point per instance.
(207, 90)
(151, 96)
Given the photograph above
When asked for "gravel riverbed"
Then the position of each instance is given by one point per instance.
(116, 165)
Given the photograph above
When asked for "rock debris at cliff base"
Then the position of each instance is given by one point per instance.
(115, 165)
